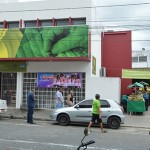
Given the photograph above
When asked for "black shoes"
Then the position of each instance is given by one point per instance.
(32, 123)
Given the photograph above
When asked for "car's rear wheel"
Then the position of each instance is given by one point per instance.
(114, 122)
(63, 119)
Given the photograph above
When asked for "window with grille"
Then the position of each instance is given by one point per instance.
(46, 97)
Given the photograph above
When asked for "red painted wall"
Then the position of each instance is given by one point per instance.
(117, 55)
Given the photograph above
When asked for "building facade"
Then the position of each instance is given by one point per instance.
(41, 40)
(117, 55)
(141, 59)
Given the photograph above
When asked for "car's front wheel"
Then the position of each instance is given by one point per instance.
(114, 122)
(63, 119)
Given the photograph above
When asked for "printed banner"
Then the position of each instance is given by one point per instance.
(136, 73)
(66, 41)
(65, 80)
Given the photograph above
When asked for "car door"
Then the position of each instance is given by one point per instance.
(83, 111)
(106, 110)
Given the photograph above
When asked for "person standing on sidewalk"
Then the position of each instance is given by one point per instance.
(146, 98)
(70, 101)
(59, 99)
(96, 113)
(30, 105)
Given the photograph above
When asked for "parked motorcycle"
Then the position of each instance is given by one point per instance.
(85, 144)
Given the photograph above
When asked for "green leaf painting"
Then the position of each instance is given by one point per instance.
(67, 41)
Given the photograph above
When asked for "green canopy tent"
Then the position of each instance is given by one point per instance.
(136, 85)
(144, 83)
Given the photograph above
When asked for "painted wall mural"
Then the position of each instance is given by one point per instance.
(67, 41)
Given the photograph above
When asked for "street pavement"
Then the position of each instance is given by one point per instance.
(138, 120)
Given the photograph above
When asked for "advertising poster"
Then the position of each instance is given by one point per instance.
(52, 80)
(50, 42)
(93, 65)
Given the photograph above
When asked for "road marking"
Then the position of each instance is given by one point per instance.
(53, 144)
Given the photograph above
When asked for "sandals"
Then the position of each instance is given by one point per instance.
(104, 131)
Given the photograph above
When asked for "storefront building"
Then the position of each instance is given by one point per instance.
(40, 41)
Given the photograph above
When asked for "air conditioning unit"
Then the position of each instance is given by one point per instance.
(103, 72)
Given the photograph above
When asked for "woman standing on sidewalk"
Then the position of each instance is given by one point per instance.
(70, 101)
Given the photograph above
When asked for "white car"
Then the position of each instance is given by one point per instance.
(112, 113)
(3, 106)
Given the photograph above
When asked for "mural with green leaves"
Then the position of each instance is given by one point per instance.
(65, 41)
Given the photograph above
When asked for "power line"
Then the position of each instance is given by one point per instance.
(87, 7)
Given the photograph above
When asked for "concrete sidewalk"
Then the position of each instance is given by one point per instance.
(142, 121)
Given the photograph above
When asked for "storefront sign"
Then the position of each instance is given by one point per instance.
(51, 80)
(13, 67)
(136, 73)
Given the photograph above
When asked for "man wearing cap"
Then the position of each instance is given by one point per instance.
(30, 105)
(96, 113)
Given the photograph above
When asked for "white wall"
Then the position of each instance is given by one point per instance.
(51, 11)
(72, 66)
(140, 64)
(139, 54)
(106, 87)
(95, 40)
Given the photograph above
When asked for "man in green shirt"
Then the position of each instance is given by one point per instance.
(96, 113)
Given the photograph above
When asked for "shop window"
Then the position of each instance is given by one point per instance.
(13, 24)
(78, 21)
(46, 97)
(30, 24)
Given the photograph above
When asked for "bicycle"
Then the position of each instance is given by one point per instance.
(85, 144)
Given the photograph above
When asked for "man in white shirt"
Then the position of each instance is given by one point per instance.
(59, 99)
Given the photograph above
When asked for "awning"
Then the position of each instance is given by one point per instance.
(136, 73)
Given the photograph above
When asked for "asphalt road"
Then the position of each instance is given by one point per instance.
(18, 135)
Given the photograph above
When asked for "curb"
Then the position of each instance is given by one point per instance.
(41, 119)
(24, 117)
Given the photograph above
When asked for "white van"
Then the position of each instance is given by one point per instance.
(3, 106)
